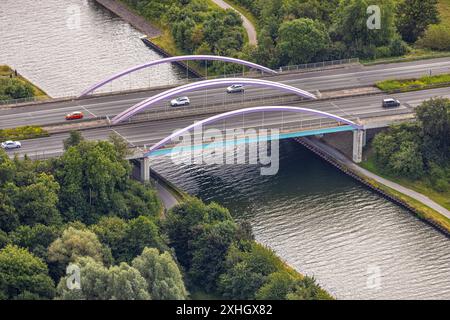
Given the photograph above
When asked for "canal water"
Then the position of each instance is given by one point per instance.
(65, 46)
(354, 242)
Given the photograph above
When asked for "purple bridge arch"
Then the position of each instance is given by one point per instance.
(233, 113)
(175, 59)
(203, 85)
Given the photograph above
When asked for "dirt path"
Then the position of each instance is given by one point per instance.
(249, 27)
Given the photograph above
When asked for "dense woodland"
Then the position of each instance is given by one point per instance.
(300, 31)
(418, 150)
(83, 208)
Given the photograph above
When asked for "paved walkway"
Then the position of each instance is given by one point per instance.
(411, 193)
(166, 196)
(249, 27)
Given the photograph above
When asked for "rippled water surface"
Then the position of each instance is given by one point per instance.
(325, 224)
(64, 46)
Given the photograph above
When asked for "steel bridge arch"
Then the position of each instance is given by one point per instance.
(175, 59)
(233, 113)
(203, 85)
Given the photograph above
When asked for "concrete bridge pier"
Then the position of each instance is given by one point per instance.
(144, 169)
(141, 169)
(359, 141)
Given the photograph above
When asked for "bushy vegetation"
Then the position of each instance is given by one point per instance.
(14, 88)
(20, 133)
(300, 31)
(327, 29)
(221, 257)
(83, 209)
(436, 37)
(414, 84)
(197, 26)
(420, 150)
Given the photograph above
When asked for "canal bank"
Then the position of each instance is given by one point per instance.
(325, 224)
(58, 66)
(418, 204)
(150, 31)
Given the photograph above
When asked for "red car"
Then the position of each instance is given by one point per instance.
(74, 115)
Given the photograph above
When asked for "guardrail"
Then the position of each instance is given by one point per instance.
(244, 73)
(22, 100)
(317, 65)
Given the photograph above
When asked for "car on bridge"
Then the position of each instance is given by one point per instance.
(11, 145)
(74, 115)
(235, 88)
(391, 103)
(181, 101)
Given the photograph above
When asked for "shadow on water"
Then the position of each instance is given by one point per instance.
(357, 244)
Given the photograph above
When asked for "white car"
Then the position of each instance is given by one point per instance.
(181, 101)
(11, 144)
(235, 88)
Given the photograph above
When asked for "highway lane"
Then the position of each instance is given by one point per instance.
(331, 79)
(147, 133)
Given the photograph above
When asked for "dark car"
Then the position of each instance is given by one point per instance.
(391, 103)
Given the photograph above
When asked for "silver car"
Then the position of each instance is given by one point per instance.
(181, 101)
(235, 88)
(11, 144)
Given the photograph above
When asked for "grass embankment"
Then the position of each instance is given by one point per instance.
(421, 186)
(22, 133)
(426, 82)
(444, 11)
(6, 71)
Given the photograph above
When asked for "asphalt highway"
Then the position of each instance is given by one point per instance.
(352, 75)
(147, 133)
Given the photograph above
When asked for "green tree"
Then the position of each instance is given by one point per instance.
(307, 289)
(74, 139)
(414, 17)
(162, 274)
(247, 270)
(209, 249)
(4, 239)
(277, 286)
(75, 243)
(112, 231)
(89, 174)
(301, 40)
(9, 217)
(350, 24)
(15, 89)
(183, 221)
(37, 202)
(434, 118)
(436, 37)
(36, 239)
(7, 168)
(141, 232)
(23, 276)
(120, 282)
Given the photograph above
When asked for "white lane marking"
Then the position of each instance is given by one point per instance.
(93, 114)
(127, 140)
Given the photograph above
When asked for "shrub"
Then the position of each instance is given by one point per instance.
(437, 37)
(383, 52)
(20, 133)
